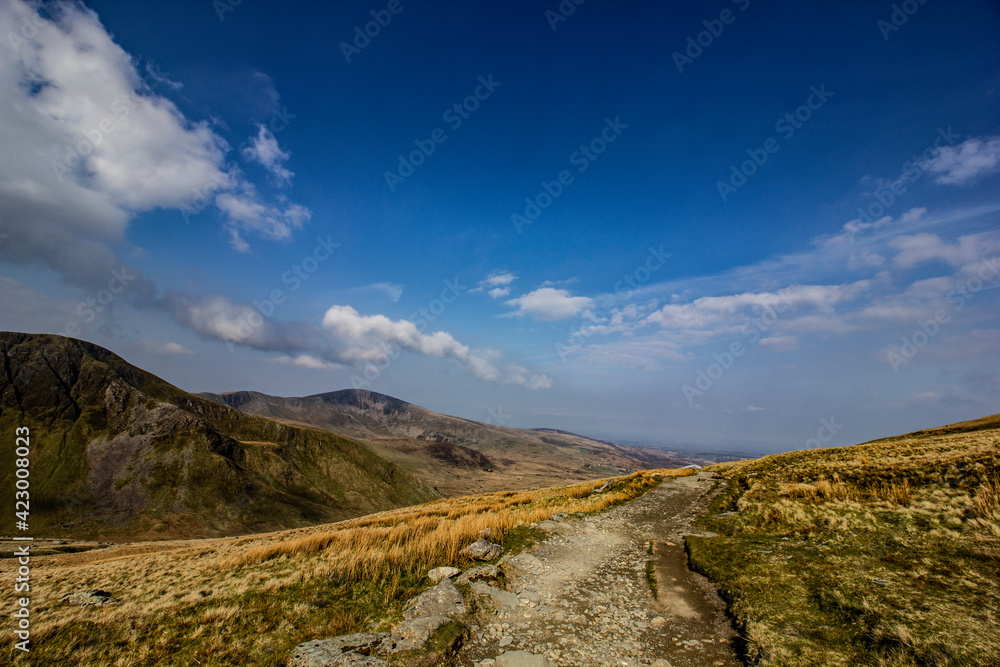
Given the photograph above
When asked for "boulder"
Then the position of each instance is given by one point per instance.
(482, 550)
(439, 573)
(339, 651)
(480, 573)
(442, 600)
(521, 659)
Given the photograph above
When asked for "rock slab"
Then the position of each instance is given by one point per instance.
(339, 651)
(482, 550)
(439, 573)
(521, 659)
(442, 600)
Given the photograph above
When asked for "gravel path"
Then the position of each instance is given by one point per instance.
(583, 596)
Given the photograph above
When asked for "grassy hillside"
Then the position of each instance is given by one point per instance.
(455, 455)
(249, 601)
(117, 453)
(885, 553)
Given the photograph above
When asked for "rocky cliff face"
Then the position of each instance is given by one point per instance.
(118, 453)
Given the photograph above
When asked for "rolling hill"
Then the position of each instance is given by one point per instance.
(118, 453)
(456, 455)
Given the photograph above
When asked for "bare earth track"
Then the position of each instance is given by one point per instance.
(584, 597)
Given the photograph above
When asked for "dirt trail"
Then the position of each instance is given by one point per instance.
(584, 597)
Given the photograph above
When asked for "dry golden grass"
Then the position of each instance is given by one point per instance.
(249, 600)
(879, 554)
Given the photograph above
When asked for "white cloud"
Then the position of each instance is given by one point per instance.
(264, 150)
(920, 248)
(549, 304)
(497, 284)
(156, 347)
(95, 145)
(751, 408)
(519, 375)
(371, 338)
(959, 165)
(499, 278)
(307, 361)
(247, 212)
(732, 311)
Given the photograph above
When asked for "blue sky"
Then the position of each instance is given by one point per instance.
(744, 225)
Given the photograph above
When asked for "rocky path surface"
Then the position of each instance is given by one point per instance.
(583, 597)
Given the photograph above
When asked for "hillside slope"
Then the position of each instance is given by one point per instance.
(884, 553)
(456, 455)
(118, 453)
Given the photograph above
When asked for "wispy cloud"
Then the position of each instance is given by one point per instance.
(264, 150)
(157, 347)
(962, 164)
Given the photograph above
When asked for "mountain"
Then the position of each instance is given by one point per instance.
(456, 455)
(118, 453)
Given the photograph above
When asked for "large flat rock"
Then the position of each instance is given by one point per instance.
(442, 600)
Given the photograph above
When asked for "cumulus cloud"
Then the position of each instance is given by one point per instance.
(265, 151)
(499, 292)
(550, 304)
(962, 164)
(96, 144)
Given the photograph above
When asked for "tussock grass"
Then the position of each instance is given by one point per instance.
(250, 600)
(882, 554)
